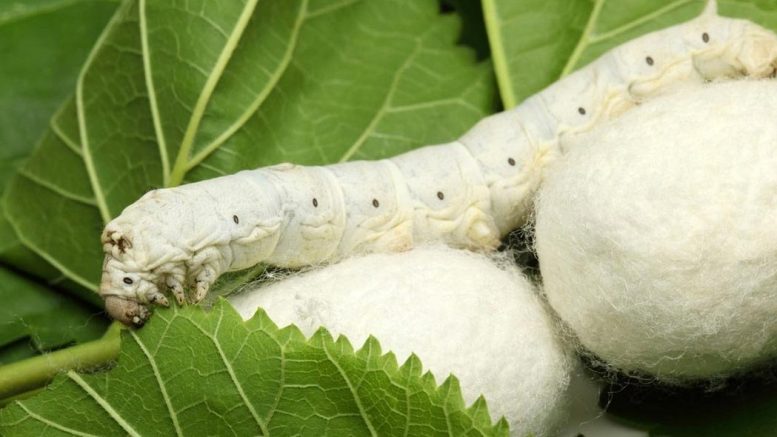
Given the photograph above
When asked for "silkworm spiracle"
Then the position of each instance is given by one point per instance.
(468, 193)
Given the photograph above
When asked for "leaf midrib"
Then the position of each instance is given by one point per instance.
(163, 389)
(91, 169)
(501, 69)
(386, 104)
(351, 388)
(231, 372)
(177, 173)
(582, 43)
(260, 98)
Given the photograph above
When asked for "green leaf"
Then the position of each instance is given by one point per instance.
(41, 319)
(176, 92)
(189, 372)
(35, 77)
(536, 42)
(473, 28)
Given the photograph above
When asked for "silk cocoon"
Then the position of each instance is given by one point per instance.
(657, 237)
(462, 313)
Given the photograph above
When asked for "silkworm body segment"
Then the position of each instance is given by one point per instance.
(468, 193)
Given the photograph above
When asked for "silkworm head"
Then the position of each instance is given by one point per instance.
(128, 312)
(125, 291)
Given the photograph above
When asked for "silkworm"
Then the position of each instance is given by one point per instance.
(468, 193)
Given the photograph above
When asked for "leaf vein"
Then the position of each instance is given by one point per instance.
(60, 132)
(155, 368)
(152, 98)
(639, 21)
(331, 8)
(260, 98)
(583, 42)
(91, 169)
(56, 189)
(376, 118)
(53, 424)
(75, 377)
(347, 380)
(181, 161)
(231, 371)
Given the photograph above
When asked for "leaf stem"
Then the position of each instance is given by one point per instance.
(33, 373)
(501, 69)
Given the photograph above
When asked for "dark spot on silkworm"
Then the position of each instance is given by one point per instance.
(235, 219)
(315, 203)
(440, 195)
(705, 37)
(649, 60)
(122, 243)
(511, 161)
(375, 203)
(581, 110)
(127, 280)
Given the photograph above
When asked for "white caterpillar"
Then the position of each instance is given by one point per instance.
(468, 193)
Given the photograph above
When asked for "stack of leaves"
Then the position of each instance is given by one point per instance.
(147, 94)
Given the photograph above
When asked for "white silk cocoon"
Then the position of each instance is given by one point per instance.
(460, 312)
(657, 234)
